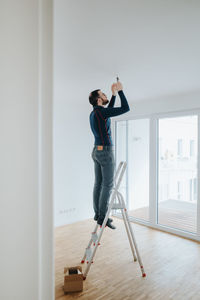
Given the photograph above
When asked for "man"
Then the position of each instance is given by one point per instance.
(102, 153)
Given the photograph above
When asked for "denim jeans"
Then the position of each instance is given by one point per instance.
(104, 176)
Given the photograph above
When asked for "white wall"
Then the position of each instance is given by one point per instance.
(151, 45)
(25, 151)
(164, 104)
(73, 169)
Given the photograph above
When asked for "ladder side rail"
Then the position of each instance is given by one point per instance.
(127, 230)
(89, 244)
(121, 165)
(134, 241)
(118, 170)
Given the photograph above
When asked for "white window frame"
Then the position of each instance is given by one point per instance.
(153, 172)
(192, 148)
(179, 147)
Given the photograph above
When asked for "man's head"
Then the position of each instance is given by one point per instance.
(98, 98)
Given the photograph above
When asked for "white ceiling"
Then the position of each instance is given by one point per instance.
(153, 45)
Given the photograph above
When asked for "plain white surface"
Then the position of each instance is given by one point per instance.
(151, 45)
(19, 151)
(25, 167)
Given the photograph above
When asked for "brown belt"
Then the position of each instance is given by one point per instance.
(101, 147)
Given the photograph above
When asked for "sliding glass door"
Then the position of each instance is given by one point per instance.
(168, 146)
(132, 140)
(121, 152)
(177, 172)
(138, 168)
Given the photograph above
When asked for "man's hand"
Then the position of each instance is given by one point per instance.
(114, 89)
(119, 86)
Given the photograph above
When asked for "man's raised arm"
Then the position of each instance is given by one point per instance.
(116, 111)
(112, 100)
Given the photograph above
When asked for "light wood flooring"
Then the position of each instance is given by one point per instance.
(172, 264)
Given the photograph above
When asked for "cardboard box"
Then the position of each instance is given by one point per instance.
(73, 279)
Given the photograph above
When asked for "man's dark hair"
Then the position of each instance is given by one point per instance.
(94, 95)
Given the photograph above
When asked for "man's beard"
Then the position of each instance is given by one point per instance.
(105, 102)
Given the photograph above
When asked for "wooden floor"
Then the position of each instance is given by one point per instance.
(173, 213)
(172, 264)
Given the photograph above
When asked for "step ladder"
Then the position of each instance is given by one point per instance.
(116, 202)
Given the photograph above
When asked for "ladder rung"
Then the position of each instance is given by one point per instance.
(88, 253)
(94, 236)
(117, 206)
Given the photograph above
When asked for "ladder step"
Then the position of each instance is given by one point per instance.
(117, 206)
(94, 237)
(88, 253)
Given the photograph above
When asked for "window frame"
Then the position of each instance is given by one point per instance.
(153, 170)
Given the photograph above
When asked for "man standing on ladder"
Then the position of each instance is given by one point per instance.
(102, 153)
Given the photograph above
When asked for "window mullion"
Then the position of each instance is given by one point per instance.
(153, 162)
(198, 178)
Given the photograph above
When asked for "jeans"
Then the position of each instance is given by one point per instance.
(104, 179)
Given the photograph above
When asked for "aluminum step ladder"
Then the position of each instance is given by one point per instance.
(116, 202)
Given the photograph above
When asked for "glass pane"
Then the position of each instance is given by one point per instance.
(177, 179)
(138, 168)
(121, 152)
